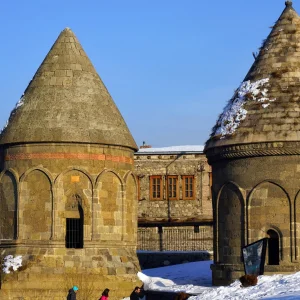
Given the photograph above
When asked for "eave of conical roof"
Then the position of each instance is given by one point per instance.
(66, 101)
(266, 107)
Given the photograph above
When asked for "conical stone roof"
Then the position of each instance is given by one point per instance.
(266, 106)
(66, 101)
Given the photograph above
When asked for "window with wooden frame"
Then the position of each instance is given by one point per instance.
(188, 184)
(156, 187)
(172, 187)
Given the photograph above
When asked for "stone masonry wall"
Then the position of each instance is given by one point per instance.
(41, 186)
(197, 209)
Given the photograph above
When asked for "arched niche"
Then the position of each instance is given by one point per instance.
(35, 209)
(131, 208)
(230, 224)
(74, 193)
(8, 206)
(108, 212)
(269, 207)
(297, 224)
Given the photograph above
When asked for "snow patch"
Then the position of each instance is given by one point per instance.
(196, 278)
(20, 102)
(11, 263)
(17, 106)
(234, 112)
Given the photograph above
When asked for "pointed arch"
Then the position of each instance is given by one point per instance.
(275, 253)
(109, 206)
(69, 183)
(74, 168)
(14, 173)
(267, 181)
(297, 224)
(38, 168)
(108, 171)
(130, 207)
(230, 217)
(269, 207)
(9, 204)
(36, 204)
(127, 174)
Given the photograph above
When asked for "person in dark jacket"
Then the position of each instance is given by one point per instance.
(137, 293)
(72, 293)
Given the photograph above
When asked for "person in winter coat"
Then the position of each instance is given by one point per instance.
(72, 293)
(137, 293)
(104, 295)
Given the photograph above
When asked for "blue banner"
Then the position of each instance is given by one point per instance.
(254, 257)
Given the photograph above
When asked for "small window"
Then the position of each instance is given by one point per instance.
(188, 192)
(156, 188)
(172, 187)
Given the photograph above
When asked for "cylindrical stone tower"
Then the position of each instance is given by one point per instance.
(254, 151)
(67, 193)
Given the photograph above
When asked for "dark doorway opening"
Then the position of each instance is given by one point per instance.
(74, 231)
(273, 247)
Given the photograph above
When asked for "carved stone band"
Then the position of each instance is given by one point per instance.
(252, 150)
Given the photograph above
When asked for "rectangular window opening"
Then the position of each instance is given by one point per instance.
(74, 233)
(156, 188)
(188, 187)
(172, 187)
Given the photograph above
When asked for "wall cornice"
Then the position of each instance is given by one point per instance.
(253, 150)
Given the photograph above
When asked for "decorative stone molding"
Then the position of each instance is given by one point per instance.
(81, 156)
(252, 150)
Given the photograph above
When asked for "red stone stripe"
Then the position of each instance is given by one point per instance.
(86, 156)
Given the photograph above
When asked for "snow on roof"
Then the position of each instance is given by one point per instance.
(234, 112)
(186, 148)
(18, 104)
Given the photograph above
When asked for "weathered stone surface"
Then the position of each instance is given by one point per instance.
(197, 209)
(67, 154)
(255, 169)
(66, 101)
(170, 212)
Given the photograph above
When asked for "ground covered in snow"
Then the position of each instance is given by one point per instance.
(195, 278)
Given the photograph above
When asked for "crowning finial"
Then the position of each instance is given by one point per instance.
(288, 3)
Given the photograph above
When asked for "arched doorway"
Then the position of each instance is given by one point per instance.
(273, 247)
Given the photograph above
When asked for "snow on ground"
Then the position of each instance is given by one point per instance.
(195, 278)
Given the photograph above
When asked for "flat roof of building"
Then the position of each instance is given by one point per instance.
(172, 149)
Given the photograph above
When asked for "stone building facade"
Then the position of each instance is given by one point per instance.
(67, 190)
(174, 199)
(255, 159)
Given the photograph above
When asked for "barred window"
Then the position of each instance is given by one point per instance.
(74, 225)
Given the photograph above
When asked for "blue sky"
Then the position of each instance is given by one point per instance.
(170, 65)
